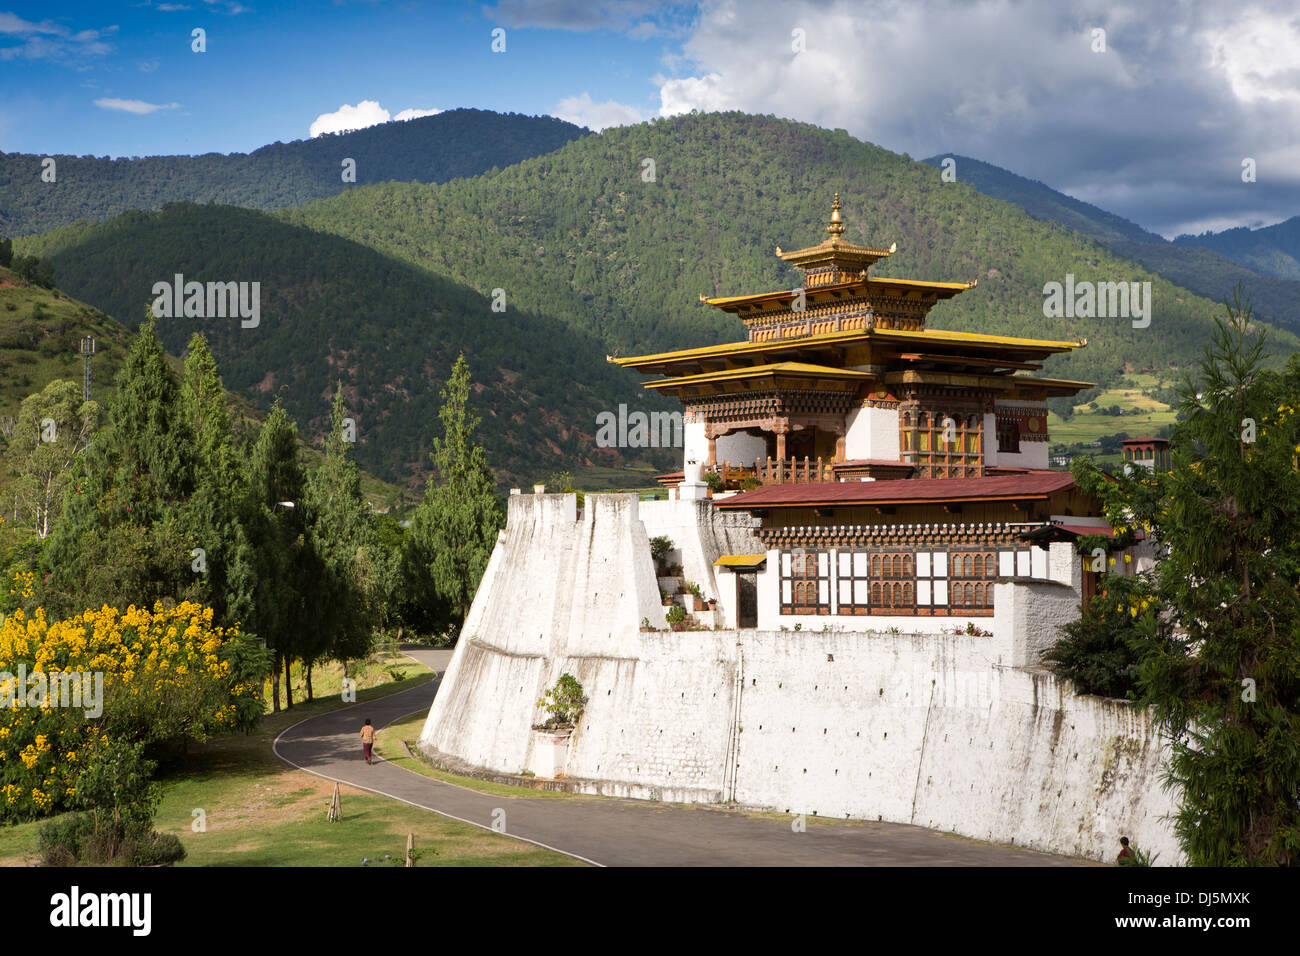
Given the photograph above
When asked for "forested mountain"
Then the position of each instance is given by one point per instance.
(1206, 264)
(383, 285)
(581, 235)
(1274, 250)
(430, 149)
(332, 309)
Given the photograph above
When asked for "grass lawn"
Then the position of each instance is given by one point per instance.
(261, 812)
(389, 745)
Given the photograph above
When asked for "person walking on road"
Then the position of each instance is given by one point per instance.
(367, 739)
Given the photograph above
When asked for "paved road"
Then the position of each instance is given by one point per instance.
(612, 832)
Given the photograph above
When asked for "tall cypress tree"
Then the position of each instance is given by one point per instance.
(125, 536)
(343, 537)
(276, 528)
(221, 506)
(454, 529)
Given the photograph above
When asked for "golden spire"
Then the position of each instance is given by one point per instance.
(836, 227)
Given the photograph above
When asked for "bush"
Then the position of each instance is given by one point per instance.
(1100, 649)
(78, 840)
(564, 702)
(675, 615)
(659, 548)
(165, 675)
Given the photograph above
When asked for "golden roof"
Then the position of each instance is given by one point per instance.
(834, 248)
(791, 369)
(939, 290)
(928, 337)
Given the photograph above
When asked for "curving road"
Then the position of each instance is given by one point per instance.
(610, 832)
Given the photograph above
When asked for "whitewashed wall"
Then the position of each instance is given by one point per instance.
(935, 730)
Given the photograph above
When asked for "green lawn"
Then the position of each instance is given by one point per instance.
(260, 812)
(389, 745)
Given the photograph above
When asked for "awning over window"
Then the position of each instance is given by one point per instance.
(740, 562)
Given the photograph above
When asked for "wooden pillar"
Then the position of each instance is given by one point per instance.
(780, 443)
(713, 451)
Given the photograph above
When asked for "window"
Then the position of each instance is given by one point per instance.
(943, 445)
(1009, 436)
(805, 582)
(970, 580)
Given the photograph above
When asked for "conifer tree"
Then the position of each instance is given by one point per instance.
(1220, 645)
(125, 536)
(277, 532)
(345, 595)
(454, 529)
(221, 506)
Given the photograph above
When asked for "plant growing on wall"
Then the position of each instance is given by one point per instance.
(564, 702)
(659, 548)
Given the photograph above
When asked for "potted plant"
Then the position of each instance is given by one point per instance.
(676, 617)
(697, 594)
(666, 598)
(646, 625)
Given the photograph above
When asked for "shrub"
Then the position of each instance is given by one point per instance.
(76, 839)
(676, 614)
(166, 675)
(1100, 649)
(564, 702)
(659, 548)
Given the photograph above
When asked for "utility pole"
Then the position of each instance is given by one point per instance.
(87, 350)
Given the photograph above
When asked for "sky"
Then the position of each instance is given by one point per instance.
(1148, 110)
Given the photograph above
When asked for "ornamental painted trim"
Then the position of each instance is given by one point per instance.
(909, 535)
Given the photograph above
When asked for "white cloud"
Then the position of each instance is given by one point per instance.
(138, 107)
(50, 41)
(597, 116)
(414, 114)
(366, 113)
(1154, 128)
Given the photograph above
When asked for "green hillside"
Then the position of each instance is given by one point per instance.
(1043, 202)
(578, 234)
(332, 309)
(1213, 274)
(1274, 250)
(430, 149)
(40, 334)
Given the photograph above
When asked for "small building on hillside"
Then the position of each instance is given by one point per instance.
(893, 470)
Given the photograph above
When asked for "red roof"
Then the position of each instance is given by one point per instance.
(1037, 484)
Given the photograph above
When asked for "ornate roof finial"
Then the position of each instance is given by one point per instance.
(836, 227)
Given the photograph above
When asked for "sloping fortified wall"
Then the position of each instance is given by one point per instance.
(928, 729)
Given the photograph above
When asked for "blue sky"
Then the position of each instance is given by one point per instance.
(1153, 122)
(270, 69)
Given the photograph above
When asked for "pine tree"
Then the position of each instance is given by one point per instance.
(454, 529)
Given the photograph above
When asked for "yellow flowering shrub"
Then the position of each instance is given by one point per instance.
(169, 673)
